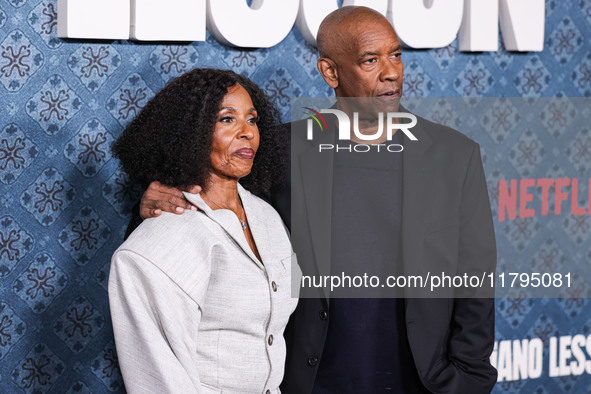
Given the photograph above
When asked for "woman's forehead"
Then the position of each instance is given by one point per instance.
(237, 97)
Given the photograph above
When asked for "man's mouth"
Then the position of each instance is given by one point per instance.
(390, 93)
(245, 153)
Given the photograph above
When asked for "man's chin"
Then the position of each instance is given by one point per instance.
(384, 104)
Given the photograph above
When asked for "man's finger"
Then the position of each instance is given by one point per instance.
(174, 208)
(150, 207)
(171, 190)
(160, 198)
(164, 206)
(158, 191)
(179, 202)
(153, 194)
(147, 213)
(195, 189)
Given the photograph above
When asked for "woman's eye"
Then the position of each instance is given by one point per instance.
(253, 120)
(226, 119)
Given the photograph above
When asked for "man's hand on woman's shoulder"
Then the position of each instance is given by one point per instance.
(159, 197)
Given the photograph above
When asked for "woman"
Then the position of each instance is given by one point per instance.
(200, 301)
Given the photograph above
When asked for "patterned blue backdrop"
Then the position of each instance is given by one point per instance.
(65, 204)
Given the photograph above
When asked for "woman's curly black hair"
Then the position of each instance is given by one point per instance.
(170, 140)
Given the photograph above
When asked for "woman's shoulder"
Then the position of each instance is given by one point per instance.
(169, 227)
(173, 243)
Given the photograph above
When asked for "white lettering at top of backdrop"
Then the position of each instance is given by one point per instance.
(173, 20)
(480, 26)
(522, 24)
(434, 24)
(264, 24)
(419, 23)
(106, 19)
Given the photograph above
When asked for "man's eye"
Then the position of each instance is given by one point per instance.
(398, 54)
(370, 61)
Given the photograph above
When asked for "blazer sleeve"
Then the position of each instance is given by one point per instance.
(155, 325)
(473, 320)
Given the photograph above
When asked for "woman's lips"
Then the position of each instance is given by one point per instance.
(245, 153)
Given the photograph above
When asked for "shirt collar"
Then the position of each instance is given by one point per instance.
(197, 200)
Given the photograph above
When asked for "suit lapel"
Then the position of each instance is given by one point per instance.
(416, 190)
(229, 222)
(317, 171)
(258, 226)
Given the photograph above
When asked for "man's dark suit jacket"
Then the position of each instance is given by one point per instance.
(446, 221)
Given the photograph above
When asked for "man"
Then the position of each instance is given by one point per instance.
(442, 214)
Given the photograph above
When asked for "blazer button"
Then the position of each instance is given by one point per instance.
(274, 286)
(270, 340)
(323, 315)
(268, 392)
(312, 361)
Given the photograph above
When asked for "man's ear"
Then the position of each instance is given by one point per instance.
(328, 70)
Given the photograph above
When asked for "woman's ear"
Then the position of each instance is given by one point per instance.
(328, 70)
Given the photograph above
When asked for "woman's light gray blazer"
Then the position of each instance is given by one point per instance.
(193, 309)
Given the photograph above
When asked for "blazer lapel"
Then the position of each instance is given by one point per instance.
(416, 189)
(317, 172)
(258, 226)
(228, 221)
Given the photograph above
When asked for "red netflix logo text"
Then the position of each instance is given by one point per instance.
(549, 189)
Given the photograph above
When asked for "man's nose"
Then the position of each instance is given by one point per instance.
(390, 71)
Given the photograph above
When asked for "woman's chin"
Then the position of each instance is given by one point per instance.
(232, 175)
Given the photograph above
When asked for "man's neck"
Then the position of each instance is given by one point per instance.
(369, 110)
